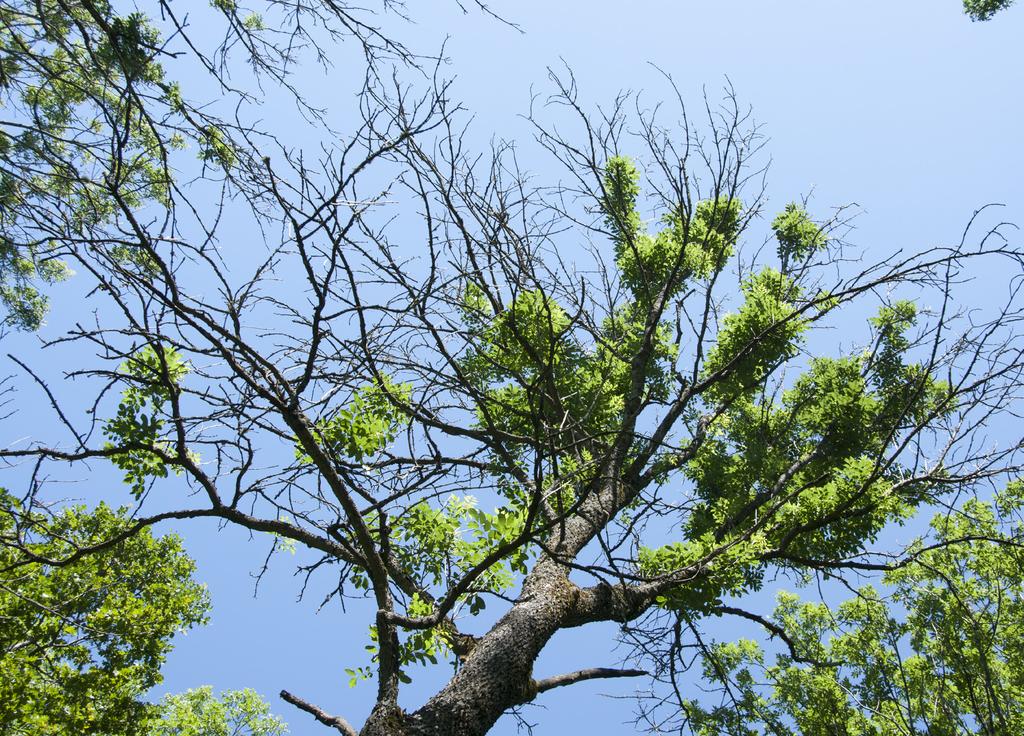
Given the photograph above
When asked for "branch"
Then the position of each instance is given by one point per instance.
(593, 673)
(337, 722)
(897, 563)
(275, 526)
(776, 630)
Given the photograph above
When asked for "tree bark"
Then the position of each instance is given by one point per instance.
(498, 673)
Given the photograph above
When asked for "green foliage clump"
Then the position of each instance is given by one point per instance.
(82, 643)
(696, 245)
(136, 431)
(807, 459)
(942, 644)
(621, 189)
(904, 385)
(758, 338)
(26, 306)
(436, 546)
(217, 148)
(712, 235)
(521, 359)
(985, 9)
(542, 388)
(440, 544)
(369, 422)
(706, 573)
(199, 712)
(798, 235)
(75, 74)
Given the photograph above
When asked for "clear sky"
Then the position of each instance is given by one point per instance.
(904, 107)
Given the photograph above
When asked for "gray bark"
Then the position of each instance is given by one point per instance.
(498, 673)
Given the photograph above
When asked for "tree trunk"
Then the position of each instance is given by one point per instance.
(498, 673)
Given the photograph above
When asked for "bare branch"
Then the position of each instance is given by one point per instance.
(336, 722)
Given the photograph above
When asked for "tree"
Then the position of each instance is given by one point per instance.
(951, 663)
(650, 431)
(81, 643)
(199, 713)
(89, 604)
(94, 116)
(985, 9)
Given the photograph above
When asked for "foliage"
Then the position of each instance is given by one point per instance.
(138, 425)
(200, 713)
(435, 547)
(937, 650)
(757, 338)
(73, 77)
(690, 246)
(368, 423)
(985, 9)
(443, 543)
(82, 643)
(798, 235)
(820, 436)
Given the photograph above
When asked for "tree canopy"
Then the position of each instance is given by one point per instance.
(584, 401)
(199, 713)
(985, 9)
(936, 650)
(82, 643)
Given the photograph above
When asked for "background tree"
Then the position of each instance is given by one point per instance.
(199, 713)
(89, 605)
(91, 115)
(82, 643)
(940, 652)
(985, 9)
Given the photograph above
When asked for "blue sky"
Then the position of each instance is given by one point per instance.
(905, 108)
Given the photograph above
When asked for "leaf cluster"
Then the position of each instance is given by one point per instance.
(136, 432)
(81, 643)
(937, 650)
